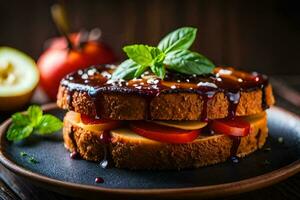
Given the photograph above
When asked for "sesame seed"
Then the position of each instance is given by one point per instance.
(80, 72)
(84, 76)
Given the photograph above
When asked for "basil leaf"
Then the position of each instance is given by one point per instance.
(159, 70)
(20, 119)
(188, 62)
(140, 70)
(17, 133)
(48, 124)
(130, 68)
(125, 70)
(35, 114)
(159, 57)
(141, 54)
(157, 54)
(181, 38)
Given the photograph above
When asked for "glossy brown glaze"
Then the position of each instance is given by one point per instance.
(96, 81)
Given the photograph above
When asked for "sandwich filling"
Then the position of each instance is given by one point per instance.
(170, 131)
(240, 130)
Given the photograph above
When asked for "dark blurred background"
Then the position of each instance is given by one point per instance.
(254, 35)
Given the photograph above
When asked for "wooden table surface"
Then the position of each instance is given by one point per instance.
(285, 87)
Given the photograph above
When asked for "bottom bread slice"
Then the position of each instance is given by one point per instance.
(129, 150)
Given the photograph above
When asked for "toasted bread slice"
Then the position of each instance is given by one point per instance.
(129, 150)
(177, 106)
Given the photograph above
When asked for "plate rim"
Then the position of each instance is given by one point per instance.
(217, 190)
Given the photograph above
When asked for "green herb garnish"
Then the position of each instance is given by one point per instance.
(33, 160)
(23, 125)
(171, 54)
(24, 154)
(30, 159)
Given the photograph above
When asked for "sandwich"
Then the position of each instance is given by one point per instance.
(165, 107)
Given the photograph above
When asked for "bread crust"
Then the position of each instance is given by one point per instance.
(175, 106)
(136, 152)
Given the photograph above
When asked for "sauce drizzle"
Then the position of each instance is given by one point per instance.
(234, 148)
(105, 139)
(258, 137)
(233, 99)
(74, 154)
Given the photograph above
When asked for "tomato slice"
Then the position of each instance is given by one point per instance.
(163, 133)
(233, 127)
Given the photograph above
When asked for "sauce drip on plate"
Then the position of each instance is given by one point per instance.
(99, 180)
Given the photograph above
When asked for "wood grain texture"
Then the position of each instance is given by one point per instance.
(6, 193)
(22, 189)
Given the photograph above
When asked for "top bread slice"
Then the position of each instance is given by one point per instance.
(172, 106)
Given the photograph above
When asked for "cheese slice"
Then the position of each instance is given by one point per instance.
(185, 125)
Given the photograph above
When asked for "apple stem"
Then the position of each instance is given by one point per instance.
(59, 17)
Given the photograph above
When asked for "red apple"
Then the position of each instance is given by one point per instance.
(59, 60)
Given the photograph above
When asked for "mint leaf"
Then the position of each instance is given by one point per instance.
(141, 57)
(20, 119)
(17, 133)
(157, 54)
(188, 62)
(141, 54)
(48, 124)
(33, 121)
(181, 38)
(140, 70)
(172, 53)
(126, 70)
(159, 70)
(35, 114)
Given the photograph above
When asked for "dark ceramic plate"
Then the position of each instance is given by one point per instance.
(56, 171)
